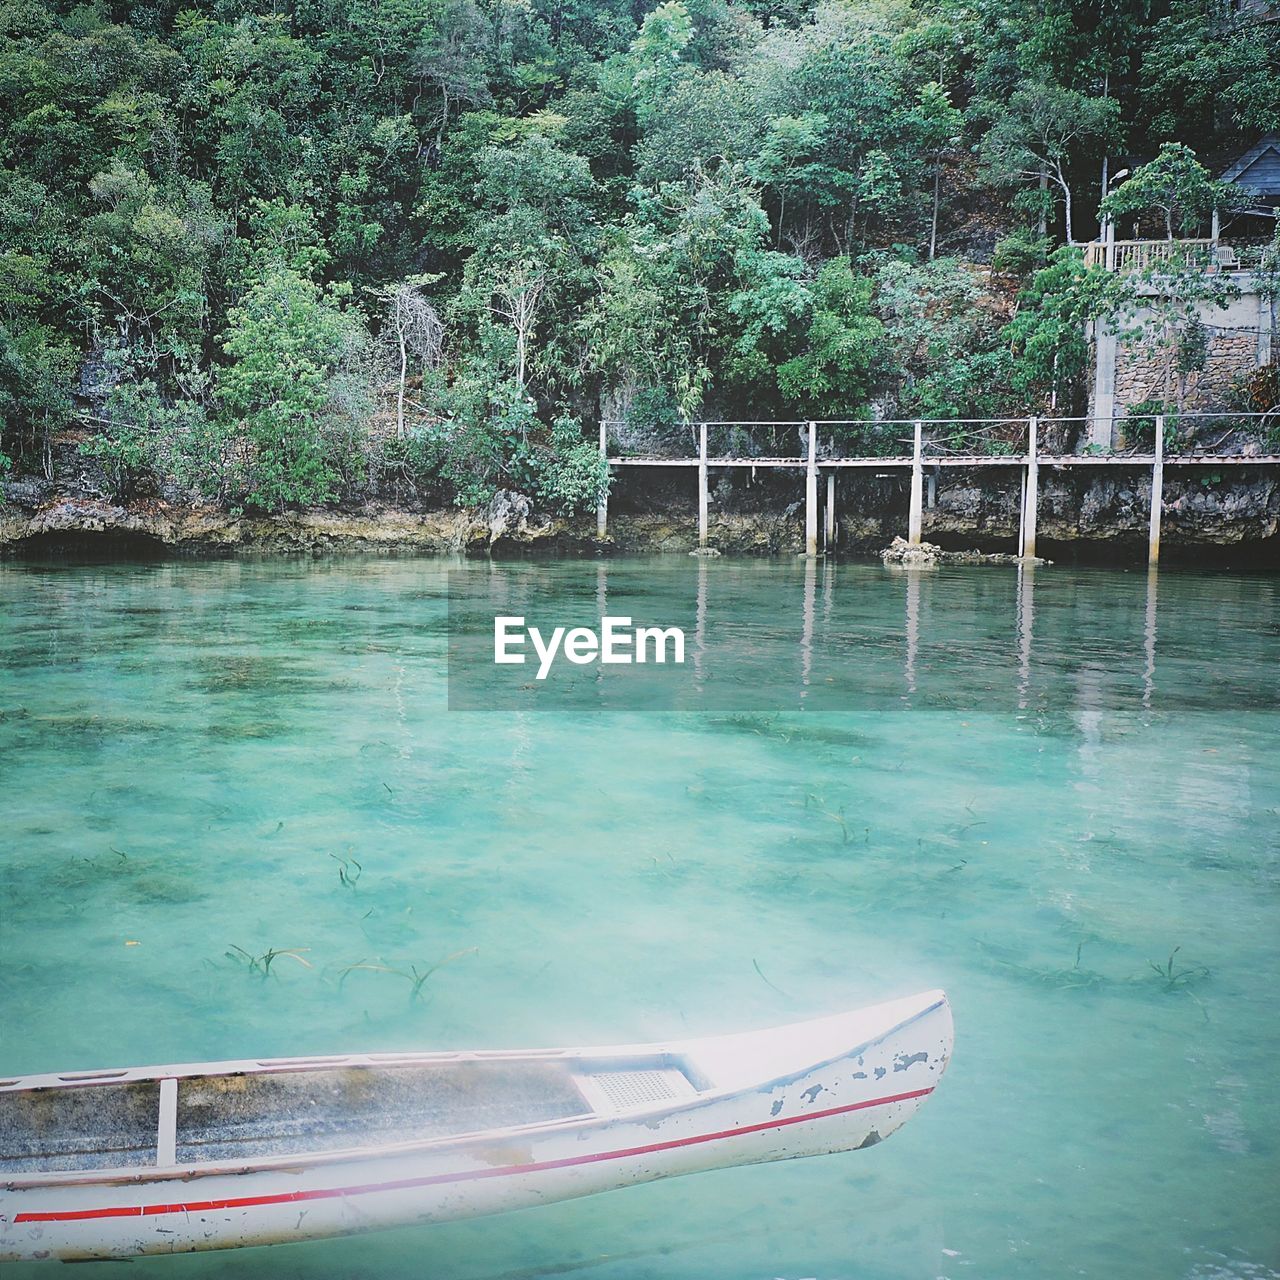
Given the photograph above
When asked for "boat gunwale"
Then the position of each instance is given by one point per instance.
(353, 1155)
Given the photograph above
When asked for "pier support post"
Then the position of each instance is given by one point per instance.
(1032, 500)
(811, 495)
(1157, 496)
(702, 485)
(602, 507)
(915, 519)
(830, 541)
(1022, 510)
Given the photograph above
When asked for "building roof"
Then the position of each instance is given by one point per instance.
(1258, 168)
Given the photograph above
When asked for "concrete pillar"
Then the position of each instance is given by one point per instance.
(1022, 510)
(914, 518)
(1157, 495)
(830, 541)
(1032, 500)
(602, 507)
(1103, 402)
(702, 485)
(811, 495)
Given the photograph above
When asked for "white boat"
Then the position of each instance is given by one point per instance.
(113, 1164)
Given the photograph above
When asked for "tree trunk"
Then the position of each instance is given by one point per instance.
(1106, 93)
(404, 368)
(933, 228)
(1066, 201)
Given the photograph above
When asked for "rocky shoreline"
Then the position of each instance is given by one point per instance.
(971, 522)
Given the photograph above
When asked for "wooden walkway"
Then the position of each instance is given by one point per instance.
(920, 461)
(964, 460)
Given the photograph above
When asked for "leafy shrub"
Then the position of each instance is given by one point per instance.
(146, 439)
(655, 416)
(1259, 392)
(1140, 424)
(1020, 253)
(569, 476)
(287, 340)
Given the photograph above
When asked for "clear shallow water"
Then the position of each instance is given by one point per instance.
(1025, 789)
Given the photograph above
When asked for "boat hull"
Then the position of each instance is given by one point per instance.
(849, 1101)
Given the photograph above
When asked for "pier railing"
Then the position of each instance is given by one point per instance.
(920, 447)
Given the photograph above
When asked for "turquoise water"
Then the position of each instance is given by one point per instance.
(1032, 789)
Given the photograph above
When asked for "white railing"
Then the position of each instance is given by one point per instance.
(1141, 255)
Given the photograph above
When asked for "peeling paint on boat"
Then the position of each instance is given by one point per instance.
(732, 1117)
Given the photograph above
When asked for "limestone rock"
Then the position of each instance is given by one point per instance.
(511, 515)
(901, 552)
(928, 556)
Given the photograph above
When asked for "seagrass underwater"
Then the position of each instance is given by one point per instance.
(1031, 784)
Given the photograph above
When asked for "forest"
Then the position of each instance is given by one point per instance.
(280, 254)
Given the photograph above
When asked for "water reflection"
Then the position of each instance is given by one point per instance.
(621, 875)
(763, 636)
(1149, 639)
(806, 634)
(700, 627)
(1026, 624)
(913, 626)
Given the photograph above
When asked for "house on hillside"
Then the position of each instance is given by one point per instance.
(1237, 332)
(1258, 171)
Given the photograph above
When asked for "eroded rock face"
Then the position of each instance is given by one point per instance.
(1202, 507)
(1229, 508)
(512, 516)
(210, 529)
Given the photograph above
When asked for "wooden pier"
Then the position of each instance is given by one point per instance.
(1028, 462)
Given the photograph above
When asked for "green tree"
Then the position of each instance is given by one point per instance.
(939, 127)
(789, 162)
(1044, 131)
(1208, 75)
(666, 280)
(1047, 336)
(286, 339)
(941, 352)
(1177, 187)
(833, 375)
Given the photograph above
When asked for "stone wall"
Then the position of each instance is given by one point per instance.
(1141, 373)
(1128, 371)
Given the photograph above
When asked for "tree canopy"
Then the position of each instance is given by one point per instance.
(291, 251)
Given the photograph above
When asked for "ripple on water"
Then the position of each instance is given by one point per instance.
(1055, 794)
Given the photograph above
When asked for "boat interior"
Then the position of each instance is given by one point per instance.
(284, 1110)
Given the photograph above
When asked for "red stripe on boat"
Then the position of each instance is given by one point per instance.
(470, 1175)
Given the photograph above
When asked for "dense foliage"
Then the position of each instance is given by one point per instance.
(286, 252)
